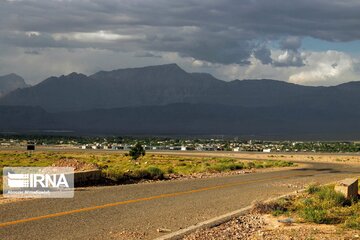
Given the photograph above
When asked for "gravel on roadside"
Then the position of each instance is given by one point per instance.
(243, 227)
(265, 227)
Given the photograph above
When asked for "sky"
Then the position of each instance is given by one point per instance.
(308, 42)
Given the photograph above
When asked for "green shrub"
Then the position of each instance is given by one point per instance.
(307, 201)
(278, 212)
(136, 151)
(261, 165)
(312, 214)
(141, 174)
(114, 174)
(155, 173)
(328, 196)
(219, 167)
(320, 204)
(236, 166)
(323, 205)
(311, 189)
(182, 164)
(249, 165)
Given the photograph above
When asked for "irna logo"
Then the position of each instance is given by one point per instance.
(37, 180)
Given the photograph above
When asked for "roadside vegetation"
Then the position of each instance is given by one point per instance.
(122, 167)
(136, 151)
(319, 205)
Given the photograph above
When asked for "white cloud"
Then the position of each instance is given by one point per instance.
(290, 58)
(99, 36)
(321, 69)
(198, 63)
(326, 68)
(32, 34)
(256, 70)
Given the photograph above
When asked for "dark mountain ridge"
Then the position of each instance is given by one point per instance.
(168, 84)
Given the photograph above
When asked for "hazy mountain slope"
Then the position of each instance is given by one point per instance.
(191, 119)
(11, 82)
(24, 119)
(210, 119)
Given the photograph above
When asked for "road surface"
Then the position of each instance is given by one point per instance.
(138, 210)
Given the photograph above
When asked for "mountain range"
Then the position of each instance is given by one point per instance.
(166, 100)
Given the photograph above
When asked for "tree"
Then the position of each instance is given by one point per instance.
(136, 151)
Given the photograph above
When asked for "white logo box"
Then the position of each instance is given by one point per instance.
(38, 182)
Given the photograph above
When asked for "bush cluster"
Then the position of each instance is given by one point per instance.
(320, 204)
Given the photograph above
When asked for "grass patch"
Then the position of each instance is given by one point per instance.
(353, 222)
(320, 205)
(119, 167)
(155, 173)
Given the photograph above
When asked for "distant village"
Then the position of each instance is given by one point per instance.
(169, 144)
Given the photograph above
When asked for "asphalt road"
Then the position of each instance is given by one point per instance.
(122, 212)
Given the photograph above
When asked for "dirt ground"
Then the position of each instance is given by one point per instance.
(351, 158)
(266, 227)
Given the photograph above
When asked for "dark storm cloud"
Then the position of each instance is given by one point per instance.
(225, 31)
(32, 52)
(146, 55)
(290, 43)
(264, 55)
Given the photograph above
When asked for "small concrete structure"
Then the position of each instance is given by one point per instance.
(349, 187)
(87, 177)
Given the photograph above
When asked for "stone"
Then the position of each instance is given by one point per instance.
(163, 230)
(287, 221)
(349, 187)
